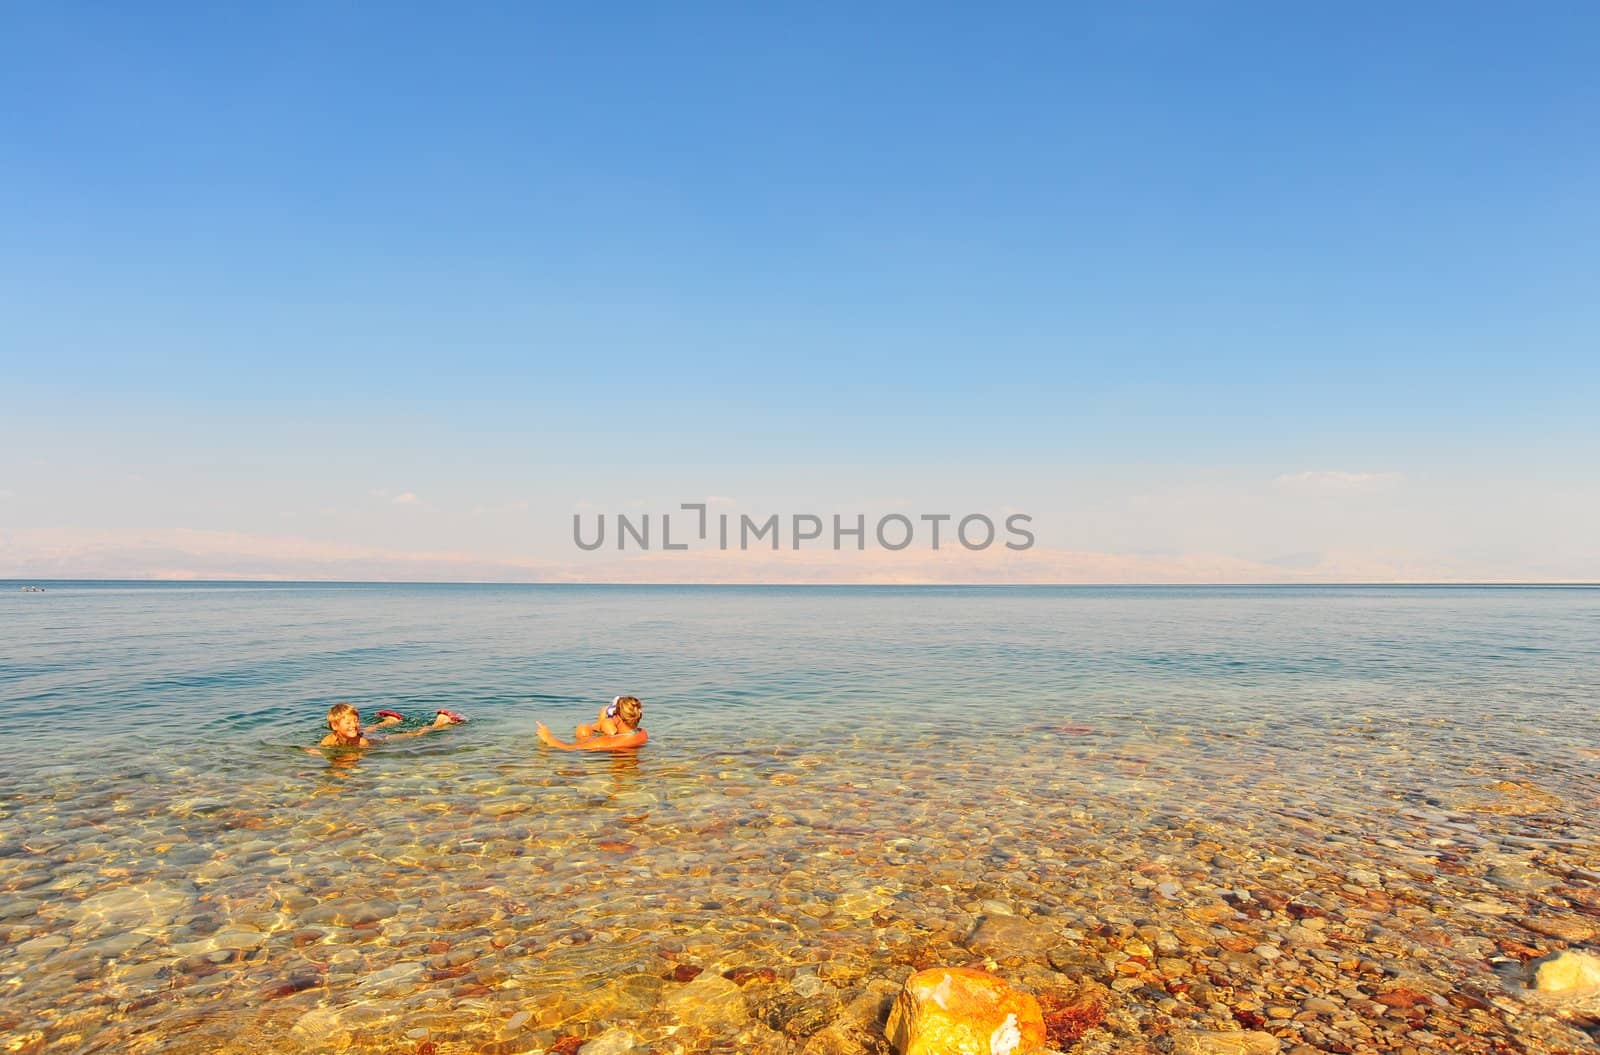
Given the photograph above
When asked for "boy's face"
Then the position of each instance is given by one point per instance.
(346, 726)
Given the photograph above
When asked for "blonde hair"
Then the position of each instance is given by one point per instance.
(339, 710)
(630, 711)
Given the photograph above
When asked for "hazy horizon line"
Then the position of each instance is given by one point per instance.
(1439, 583)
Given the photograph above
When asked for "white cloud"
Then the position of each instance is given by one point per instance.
(406, 499)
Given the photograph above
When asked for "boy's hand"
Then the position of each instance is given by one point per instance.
(544, 734)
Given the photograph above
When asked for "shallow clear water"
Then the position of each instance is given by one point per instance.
(839, 782)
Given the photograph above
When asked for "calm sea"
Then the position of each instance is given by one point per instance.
(169, 843)
(240, 673)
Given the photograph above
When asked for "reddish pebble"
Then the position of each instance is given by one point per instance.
(1249, 1019)
(1512, 947)
(1404, 999)
(294, 984)
(1066, 1023)
(746, 975)
(684, 972)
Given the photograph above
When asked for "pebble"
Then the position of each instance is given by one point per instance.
(38, 948)
(1208, 1042)
(1011, 938)
(616, 1041)
(238, 939)
(1562, 928)
(1521, 876)
(392, 979)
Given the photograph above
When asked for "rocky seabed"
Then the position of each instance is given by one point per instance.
(1153, 895)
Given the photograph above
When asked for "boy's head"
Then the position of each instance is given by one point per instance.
(344, 720)
(629, 711)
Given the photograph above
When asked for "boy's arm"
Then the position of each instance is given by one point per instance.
(617, 742)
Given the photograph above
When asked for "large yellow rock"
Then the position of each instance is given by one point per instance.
(1567, 972)
(961, 1011)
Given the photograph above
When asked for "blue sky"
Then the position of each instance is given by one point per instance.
(1135, 269)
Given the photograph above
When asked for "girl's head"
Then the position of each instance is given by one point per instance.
(345, 721)
(629, 711)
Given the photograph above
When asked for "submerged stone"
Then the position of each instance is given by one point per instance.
(963, 1011)
(1561, 928)
(119, 908)
(612, 1042)
(1011, 939)
(1219, 1042)
(709, 1000)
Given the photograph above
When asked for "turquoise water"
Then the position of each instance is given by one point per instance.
(868, 766)
(171, 670)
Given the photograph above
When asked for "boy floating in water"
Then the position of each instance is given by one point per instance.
(344, 726)
(615, 728)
